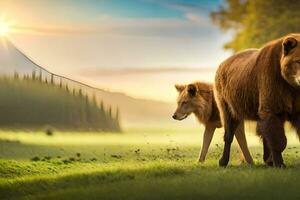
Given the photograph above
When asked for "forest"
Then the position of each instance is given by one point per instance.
(31, 101)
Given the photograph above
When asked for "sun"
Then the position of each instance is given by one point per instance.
(6, 26)
(4, 29)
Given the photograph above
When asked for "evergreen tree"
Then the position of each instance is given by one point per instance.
(41, 76)
(117, 114)
(28, 103)
(16, 75)
(33, 76)
(110, 112)
(80, 93)
(60, 83)
(52, 79)
(67, 88)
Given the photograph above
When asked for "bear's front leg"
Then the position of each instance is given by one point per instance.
(274, 138)
(267, 154)
(295, 121)
(207, 137)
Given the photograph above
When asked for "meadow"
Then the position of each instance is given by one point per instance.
(158, 163)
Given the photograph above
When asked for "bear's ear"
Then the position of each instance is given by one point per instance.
(179, 88)
(192, 90)
(288, 44)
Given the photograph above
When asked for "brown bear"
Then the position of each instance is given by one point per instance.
(261, 85)
(197, 98)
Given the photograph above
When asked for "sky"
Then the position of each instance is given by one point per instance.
(139, 47)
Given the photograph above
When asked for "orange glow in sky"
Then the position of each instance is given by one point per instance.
(73, 38)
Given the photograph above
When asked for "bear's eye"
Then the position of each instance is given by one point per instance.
(184, 103)
(298, 61)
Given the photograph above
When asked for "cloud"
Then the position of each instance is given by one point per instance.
(144, 27)
(52, 30)
(192, 12)
(194, 22)
(200, 20)
(98, 72)
(188, 7)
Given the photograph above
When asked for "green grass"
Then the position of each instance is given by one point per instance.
(138, 164)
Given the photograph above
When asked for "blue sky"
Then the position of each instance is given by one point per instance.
(134, 8)
(150, 8)
(83, 38)
(87, 10)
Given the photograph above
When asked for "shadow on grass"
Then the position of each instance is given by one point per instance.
(34, 185)
(164, 181)
(20, 187)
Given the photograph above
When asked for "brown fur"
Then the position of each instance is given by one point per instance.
(197, 98)
(262, 85)
(202, 104)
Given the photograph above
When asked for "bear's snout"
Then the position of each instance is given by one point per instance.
(174, 116)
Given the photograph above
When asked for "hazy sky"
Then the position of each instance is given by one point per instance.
(86, 39)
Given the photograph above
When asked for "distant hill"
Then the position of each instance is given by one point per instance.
(139, 111)
(133, 111)
(12, 60)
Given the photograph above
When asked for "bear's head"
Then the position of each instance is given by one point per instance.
(290, 59)
(185, 101)
(192, 97)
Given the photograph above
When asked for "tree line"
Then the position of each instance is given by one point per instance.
(34, 101)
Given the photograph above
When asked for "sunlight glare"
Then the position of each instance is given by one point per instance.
(4, 29)
(6, 26)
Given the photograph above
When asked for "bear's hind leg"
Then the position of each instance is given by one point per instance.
(230, 126)
(295, 121)
(241, 139)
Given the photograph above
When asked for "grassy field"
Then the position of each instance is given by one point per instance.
(138, 164)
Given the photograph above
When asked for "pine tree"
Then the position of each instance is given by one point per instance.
(80, 93)
(103, 118)
(87, 109)
(94, 100)
(33, 76)
(110, 112)
(102, 106)
(67, 88)
(52, 79)
(117, 114)
(16, 75)
(60, 83)
(41, 76)
(117, 120)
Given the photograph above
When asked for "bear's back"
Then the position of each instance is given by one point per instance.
(236, 66)
(236, 82)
